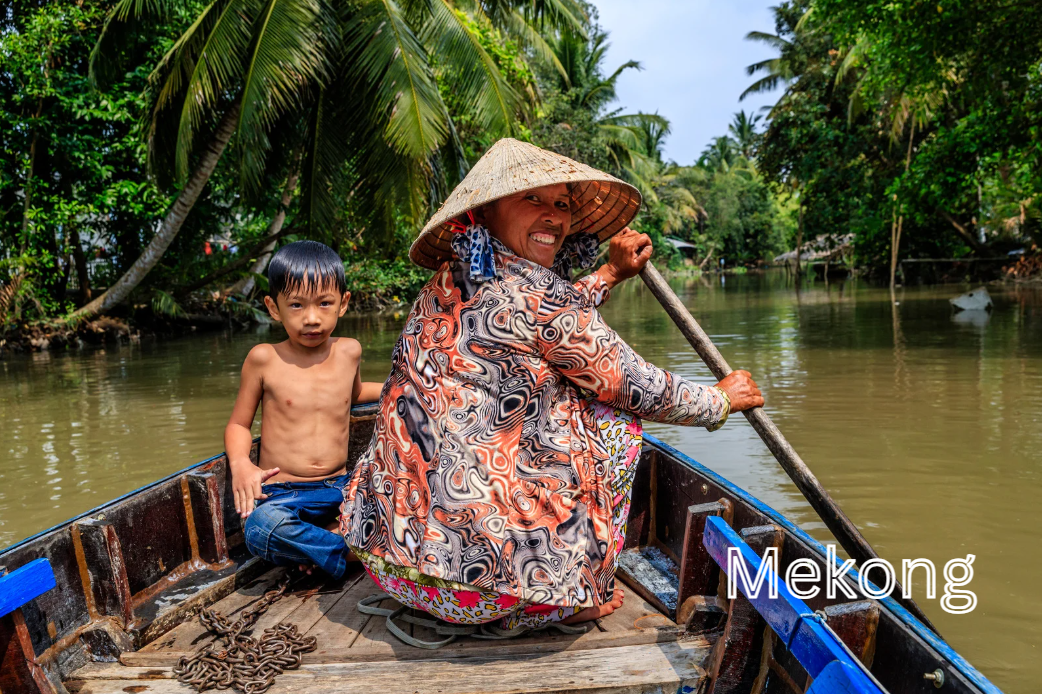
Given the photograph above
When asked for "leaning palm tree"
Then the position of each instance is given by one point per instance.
(352, 86)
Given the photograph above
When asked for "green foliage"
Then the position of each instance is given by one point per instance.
(927, 115)
(72, 164)
(166, 305)
(366, 115)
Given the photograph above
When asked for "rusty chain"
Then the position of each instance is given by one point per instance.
(247, 664)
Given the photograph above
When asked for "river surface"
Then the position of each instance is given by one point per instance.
(924, 424)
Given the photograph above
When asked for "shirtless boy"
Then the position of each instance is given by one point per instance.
(307, 385)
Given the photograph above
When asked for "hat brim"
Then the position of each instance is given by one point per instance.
(601, 204)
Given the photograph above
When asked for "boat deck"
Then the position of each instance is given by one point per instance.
(635, 649)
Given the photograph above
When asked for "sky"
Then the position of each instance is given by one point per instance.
(694, 55)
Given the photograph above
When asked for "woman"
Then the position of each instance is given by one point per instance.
(498, 479)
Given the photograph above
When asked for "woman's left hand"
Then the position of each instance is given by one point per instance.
(628, 253)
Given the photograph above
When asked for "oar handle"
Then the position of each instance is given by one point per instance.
(827, 509)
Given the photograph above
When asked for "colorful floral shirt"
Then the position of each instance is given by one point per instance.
(485, 467)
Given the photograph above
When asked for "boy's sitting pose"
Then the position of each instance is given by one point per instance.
(307, 385)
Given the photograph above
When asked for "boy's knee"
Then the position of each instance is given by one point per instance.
(261, 523)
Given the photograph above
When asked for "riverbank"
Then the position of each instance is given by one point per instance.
(375, 287)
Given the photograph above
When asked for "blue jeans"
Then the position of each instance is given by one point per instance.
(288, 528)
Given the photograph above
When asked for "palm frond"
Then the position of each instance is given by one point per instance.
(765, 84)
(385, 53)
(122, 20)
(471, 70)
(327, 148)
(852, 58)
(518, 27)
(545, 15)
(166, 305)
(290, 44)
(770, 39)
(196, 73)
(771, 65)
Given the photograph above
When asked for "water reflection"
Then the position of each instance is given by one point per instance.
(925, 425)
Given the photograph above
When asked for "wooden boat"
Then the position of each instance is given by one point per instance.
(130, 577)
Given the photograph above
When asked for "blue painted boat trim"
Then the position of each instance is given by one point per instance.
(815, 647)
(840, 678)
(24, 584)
(917, 627)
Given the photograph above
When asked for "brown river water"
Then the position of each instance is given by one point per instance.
(924, 424)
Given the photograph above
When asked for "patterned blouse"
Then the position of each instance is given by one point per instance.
(485, 467)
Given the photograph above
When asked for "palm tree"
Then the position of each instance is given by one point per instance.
(721, 155)
(779, 69)
(743, 129)
(350, 85)
(633, 140)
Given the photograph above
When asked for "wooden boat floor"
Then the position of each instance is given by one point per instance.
(635, 649)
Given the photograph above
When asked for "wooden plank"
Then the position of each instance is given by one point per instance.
(649, 669)
(19, 671)
(737, 658)
(329, 650)
(699, 574)
(340, 627)
(104, 568)
(208, 516)
(855, 623)
(636, 613)
(24, 584)
(188, 636)
(374, 636)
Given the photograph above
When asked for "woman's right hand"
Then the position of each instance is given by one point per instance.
(628, 253)
(742, 391)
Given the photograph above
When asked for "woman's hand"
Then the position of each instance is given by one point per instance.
(628, 253)
(742, 390)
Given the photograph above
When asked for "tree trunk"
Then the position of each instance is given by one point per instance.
(799, 243)
(895, 229)
(170, 225)
(965, 233)
(80, 260)
(231, 267)
(706, 259)
(245, 285)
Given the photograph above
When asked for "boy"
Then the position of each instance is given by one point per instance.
(307, 384)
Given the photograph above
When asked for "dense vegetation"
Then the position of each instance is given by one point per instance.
(156, 151)
(916, 125)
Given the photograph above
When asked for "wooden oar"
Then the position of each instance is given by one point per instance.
(827, 509)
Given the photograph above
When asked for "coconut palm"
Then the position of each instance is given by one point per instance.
(743, 130)
(779, 70)
(352, 86)
(720, 155)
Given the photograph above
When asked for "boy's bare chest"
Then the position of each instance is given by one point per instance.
(320, 387)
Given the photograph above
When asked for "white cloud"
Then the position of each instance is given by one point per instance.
(694, 55)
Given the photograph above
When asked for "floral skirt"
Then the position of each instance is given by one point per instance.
(459, 603)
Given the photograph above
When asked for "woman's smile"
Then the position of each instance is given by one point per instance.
(544, 238)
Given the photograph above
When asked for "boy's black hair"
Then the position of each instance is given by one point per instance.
(307, 266)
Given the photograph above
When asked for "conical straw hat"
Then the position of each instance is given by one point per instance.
(601, 204)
